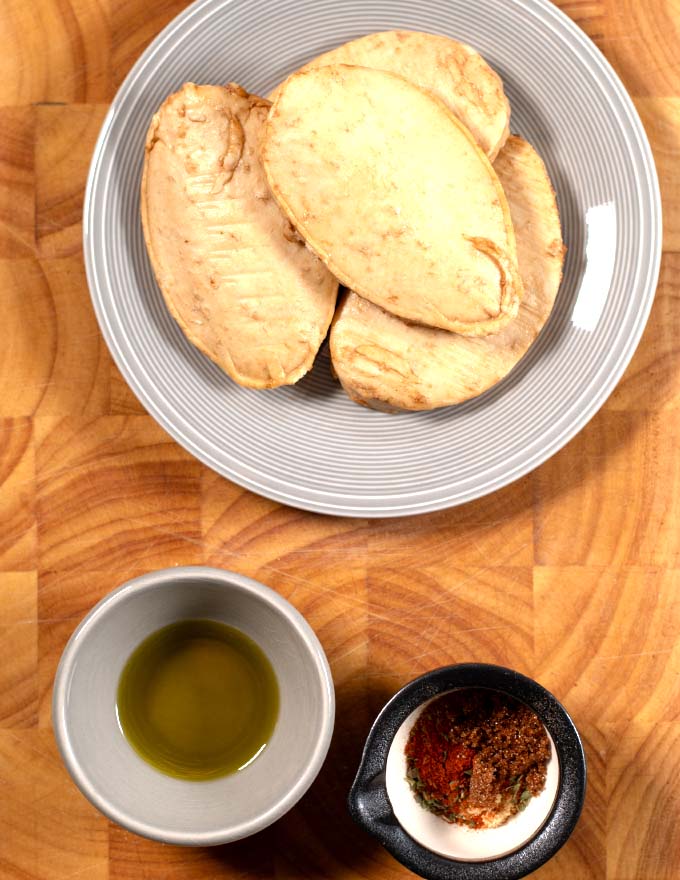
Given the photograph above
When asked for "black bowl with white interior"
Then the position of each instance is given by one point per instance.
(382, 803)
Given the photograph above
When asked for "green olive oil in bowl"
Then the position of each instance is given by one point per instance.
(198, 699)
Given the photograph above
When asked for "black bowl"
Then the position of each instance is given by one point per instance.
(370, 807)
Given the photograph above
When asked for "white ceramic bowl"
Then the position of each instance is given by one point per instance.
(457, 841)
(130, 791)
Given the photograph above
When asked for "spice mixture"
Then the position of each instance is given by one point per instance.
(476, 757)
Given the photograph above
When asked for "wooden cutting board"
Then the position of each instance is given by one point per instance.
(572, 575)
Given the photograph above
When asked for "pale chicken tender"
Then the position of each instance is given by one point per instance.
(233, 272)
(386, 363)
(390, 189)
(452, 71)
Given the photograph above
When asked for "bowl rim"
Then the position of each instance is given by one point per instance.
(386, 504)
(369, 803)
(151, 582)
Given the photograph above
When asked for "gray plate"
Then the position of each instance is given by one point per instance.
(308, 445)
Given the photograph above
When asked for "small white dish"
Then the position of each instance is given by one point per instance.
(458, 841)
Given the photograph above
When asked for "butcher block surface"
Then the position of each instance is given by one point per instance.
(571, 575)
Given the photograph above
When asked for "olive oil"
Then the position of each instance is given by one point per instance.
(198, 699)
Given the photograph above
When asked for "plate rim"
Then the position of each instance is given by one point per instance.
(403, 504)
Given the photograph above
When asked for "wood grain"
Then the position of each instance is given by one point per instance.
(19, 650)
(571, 575)
(18, 540)
(61, 167)
(640, 40)
(639, 798)
(50, 832)
(55, 51)
(616, 632)
(17, 200)
(661, 118)
(652, 380)
(55, 353)
(139, 489)
(613, 495)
